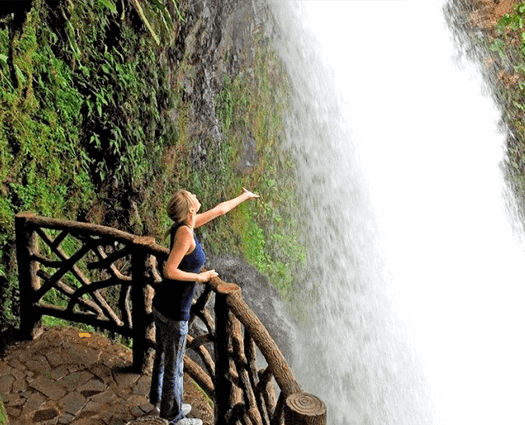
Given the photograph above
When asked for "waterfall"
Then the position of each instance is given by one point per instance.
(413, 296)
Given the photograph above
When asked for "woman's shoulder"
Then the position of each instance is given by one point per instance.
(183, 231)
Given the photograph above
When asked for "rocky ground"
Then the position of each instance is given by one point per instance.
(67, 376)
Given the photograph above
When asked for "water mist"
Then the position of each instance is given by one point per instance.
(415, 276)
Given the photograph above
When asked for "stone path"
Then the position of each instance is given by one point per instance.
(67, 376)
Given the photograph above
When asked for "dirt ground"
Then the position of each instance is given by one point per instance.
(68, 376)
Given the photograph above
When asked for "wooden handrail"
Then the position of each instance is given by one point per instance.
(224, 355)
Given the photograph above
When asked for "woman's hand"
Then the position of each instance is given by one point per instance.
(251, 195)
(208, 275)
(223, 208)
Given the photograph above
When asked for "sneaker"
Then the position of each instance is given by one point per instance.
(186, 409)
(189, 421)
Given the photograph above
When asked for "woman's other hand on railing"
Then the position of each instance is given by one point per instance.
(207, 275)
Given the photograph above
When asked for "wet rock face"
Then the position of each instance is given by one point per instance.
(260, 296)
(217, 41)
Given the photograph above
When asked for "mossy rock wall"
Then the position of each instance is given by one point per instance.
(108, 106)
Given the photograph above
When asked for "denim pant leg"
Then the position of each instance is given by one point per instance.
(158, 370)
(173, 335)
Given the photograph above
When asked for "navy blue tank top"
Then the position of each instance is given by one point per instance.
(173, 298)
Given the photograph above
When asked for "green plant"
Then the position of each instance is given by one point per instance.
(509, 44)
(267, 233)
(77, 84)
(3, 413)
(203, 393)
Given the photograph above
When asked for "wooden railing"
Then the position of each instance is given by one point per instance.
(105, 278)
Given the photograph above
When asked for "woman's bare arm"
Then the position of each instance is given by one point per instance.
(182, 245)
(223, 208)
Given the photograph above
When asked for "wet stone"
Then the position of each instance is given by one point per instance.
(16, 364)
(125, 379)
(25, 355)
(106, 417)
(89, 393)
(17, 374)
(6, 383)
(74, 368)
(90, 421)
(45, 415)
(35, 401)
(143, 385)
(74, 380)
(134, 402)
(20, 385)
(93, 386)
(146, 407)
(13, 412)
(73, 403)
(103, 372)
(136, 411)
(59, 372)
(74, 354)
(14, 400)
(48, 387)
(54, 359)
(66, 419)
(5, 369)
(94, 407)
(38, 364)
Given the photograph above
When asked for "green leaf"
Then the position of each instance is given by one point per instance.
(109, 5)
(20, 74)
(3, 58)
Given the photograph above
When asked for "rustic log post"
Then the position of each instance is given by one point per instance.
(273, 355)
(29, 282)
(139, 259)
(223, 385)
(304, 409)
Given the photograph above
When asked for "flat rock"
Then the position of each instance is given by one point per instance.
(79, 355)
(55, 359)
(125, 379)
(35, 402)
(38, 365)
(48, 387)
(142, 386)
(5, 369)
(45, 415)
(59, 372)
(75, 380)
(73, 403)
(6, 383)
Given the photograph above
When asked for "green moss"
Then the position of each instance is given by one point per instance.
(87, 132)
(510, 43)
(3, 413)
(267, 231)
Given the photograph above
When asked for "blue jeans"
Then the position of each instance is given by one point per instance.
(167, 380)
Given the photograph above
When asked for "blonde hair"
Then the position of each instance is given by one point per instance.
(180, 205)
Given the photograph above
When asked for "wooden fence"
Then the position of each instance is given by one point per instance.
(105, 278)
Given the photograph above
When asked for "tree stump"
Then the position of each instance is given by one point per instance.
(304, 409)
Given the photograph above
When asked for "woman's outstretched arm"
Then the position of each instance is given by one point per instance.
(223, 208)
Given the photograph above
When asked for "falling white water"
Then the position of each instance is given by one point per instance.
(416, 283)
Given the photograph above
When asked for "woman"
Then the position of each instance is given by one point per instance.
(173, 299)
